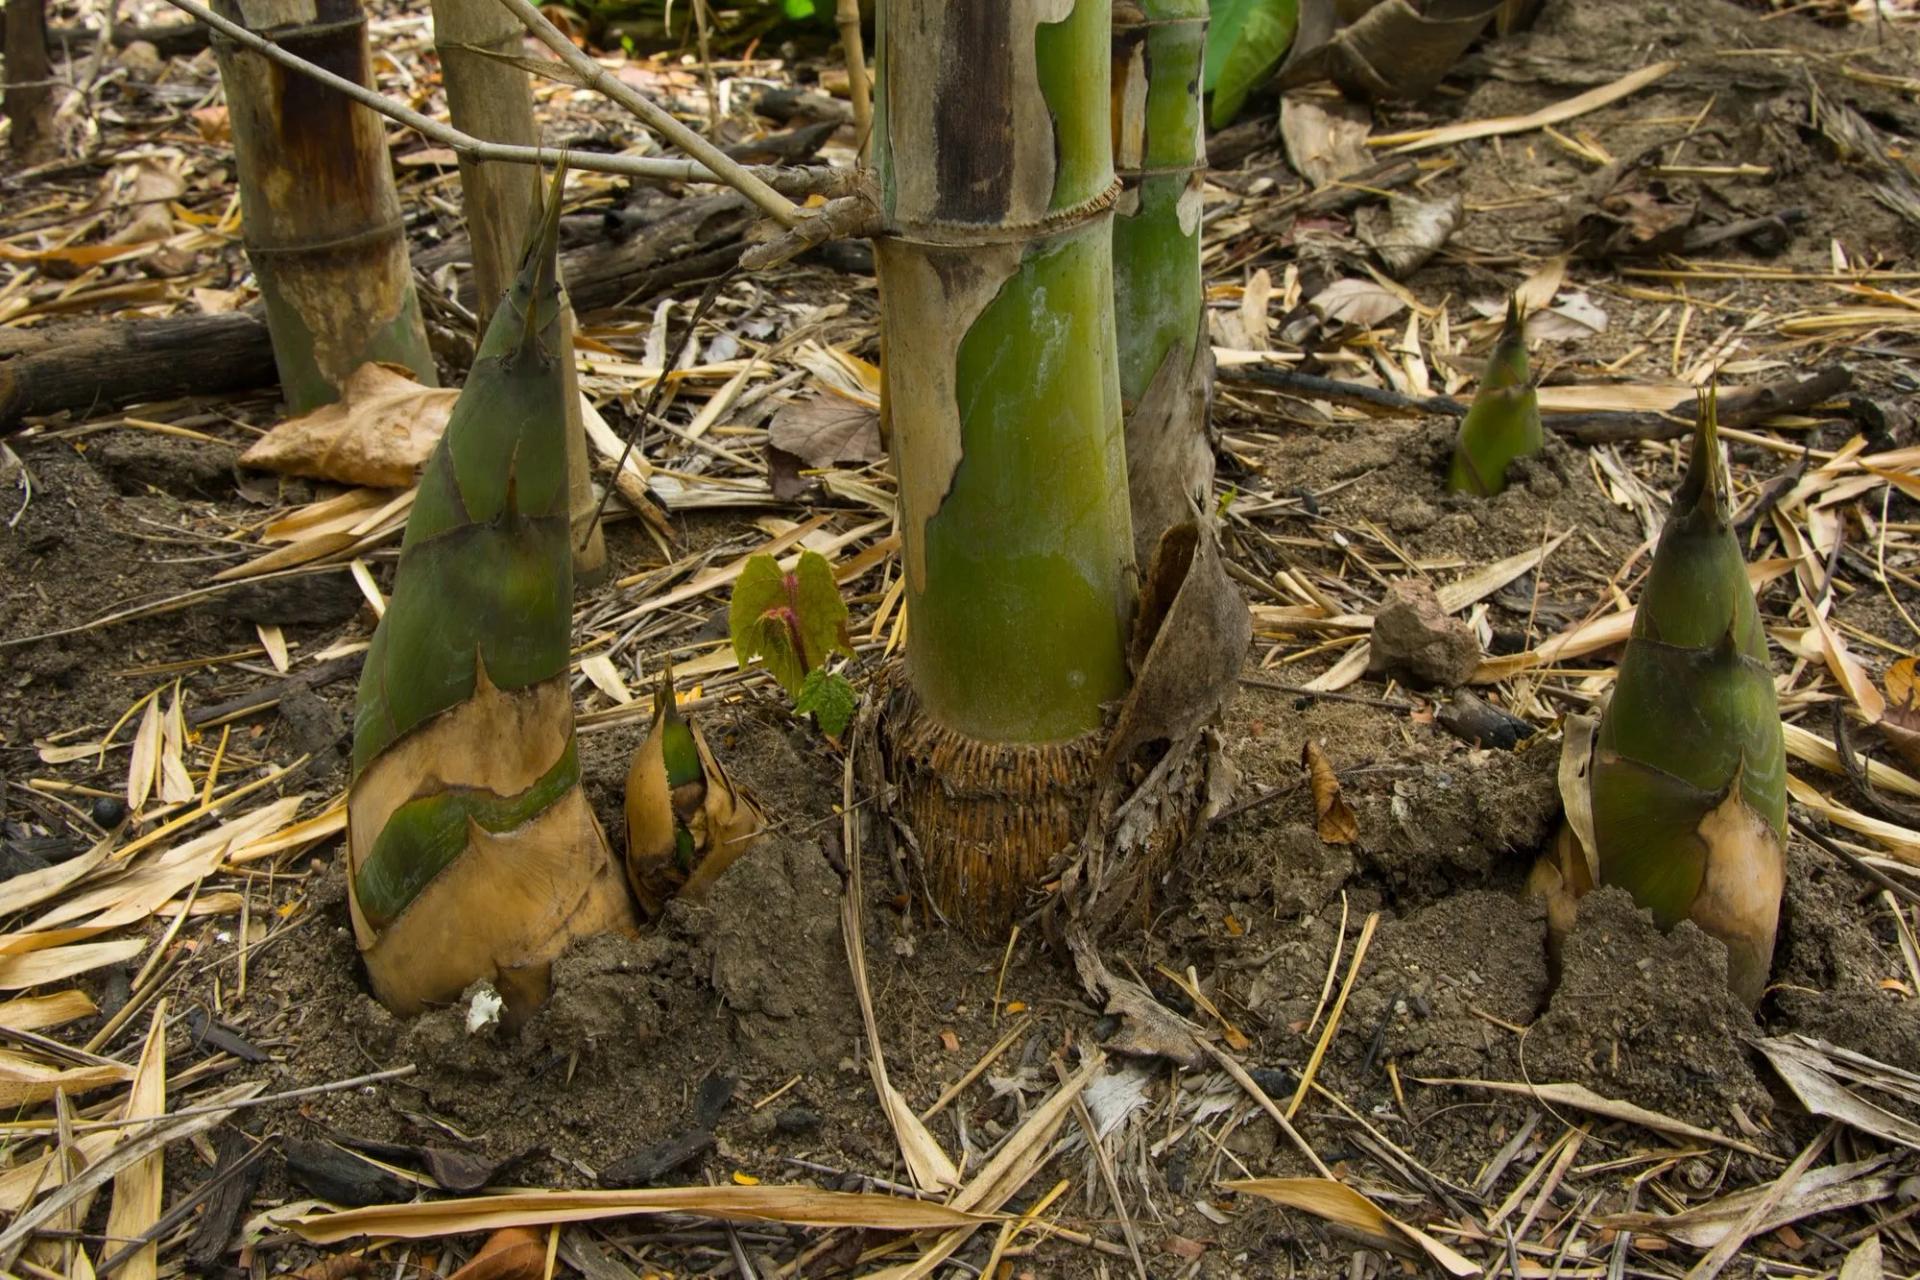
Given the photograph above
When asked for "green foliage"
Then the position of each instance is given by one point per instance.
(797, 10)
(791, 623)
(1245, 41)
(829, 696)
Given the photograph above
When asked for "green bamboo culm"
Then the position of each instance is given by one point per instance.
(472, 852)
(993, 151)
(1166, 362)
(1689, 769)
(1503, 422)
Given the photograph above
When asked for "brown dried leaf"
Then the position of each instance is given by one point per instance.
(1342, 1205)
(1334, 816)
(378, 433)
(824, 429)
(513, 1253)
(1361, 303)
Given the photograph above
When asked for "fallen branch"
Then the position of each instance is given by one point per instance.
(93, 367)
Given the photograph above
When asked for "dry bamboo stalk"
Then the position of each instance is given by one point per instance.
(323, 226)
(29, 99)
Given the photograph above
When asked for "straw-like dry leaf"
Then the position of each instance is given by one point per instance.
(1582, 1098)
(799, 1206)
(1333, 815)
(1824, 1190)
(37, 1013)
(145, 761)
(378, 433)
(137, 1188)
(20, 972)
(1818, 1074)
(1342, 1205)
(1867, 1261)
(25, 1081)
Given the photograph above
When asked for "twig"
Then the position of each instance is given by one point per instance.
(1856, 772)
(1854, 863)
(471, 148)
(655, 117)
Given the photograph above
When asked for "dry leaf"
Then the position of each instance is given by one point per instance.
(513, 1253)
(378, 433)
(1362, 303)
(800, 1206)
(1818, 1074)
(137, 1188)
(1342, 1205)
(1334, 816)
(145, 760)
(1326, 138)
(1574, 318)
(824, 429)
(1582, 1098)
(1408, 232)
(148, 187)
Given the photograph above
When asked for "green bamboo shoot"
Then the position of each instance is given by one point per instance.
(492, 99)
(1687, 791)
(1503, 422)
(322, 218)
(472, 852)
(993, 151)
(1166, 362)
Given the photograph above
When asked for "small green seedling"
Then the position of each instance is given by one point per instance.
(791, 623)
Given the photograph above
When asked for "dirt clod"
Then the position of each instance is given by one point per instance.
(1418, 640)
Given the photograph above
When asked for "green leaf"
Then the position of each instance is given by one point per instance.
(790, 623)
(1245, 41)
(830, 698)
(798, 9)
(822, 613)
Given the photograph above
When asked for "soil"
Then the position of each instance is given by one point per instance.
(752, 985)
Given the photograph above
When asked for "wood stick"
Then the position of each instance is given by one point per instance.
(89, 368)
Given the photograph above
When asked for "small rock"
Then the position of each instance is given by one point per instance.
(1417, 640)
(797, 1120)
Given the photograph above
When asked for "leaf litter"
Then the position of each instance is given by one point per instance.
(220, 894)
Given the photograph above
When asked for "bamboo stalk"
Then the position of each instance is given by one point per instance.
(29, 96)
(802, 181)
(846, 16)
(1166, 362)
(994, 161)
(492, 100)
(322, 217)
(656, 118)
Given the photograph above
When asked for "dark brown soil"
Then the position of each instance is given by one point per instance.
(753, 984)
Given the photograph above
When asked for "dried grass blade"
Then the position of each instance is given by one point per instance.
(137, 1188)
(796, 1206)
(1582, 1098)
(1343, 1206)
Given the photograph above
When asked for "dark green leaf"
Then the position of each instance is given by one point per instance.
(1245, 41)
(830, 698)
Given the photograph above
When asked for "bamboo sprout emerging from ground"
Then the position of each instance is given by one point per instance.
(492, 100)
(1687, 790)
(472, 852)
(1166, 362)
(323, 225)
(993, 152)
(1504, 421)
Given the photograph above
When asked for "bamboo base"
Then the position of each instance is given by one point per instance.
(990, 819)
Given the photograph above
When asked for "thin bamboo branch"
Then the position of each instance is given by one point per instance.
(465, 145)
(852, 44)
(656, 118)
